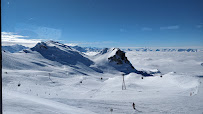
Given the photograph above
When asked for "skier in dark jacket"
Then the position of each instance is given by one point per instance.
(133, 105)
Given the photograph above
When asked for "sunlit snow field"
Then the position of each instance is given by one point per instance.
(180, 90)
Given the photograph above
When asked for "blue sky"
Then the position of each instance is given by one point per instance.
(106, 23)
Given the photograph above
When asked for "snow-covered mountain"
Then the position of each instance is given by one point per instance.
(49, 56)
(61, 53)
(109, 59)
(116, 58)
(14, 48)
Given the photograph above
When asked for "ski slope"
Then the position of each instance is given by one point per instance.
(48, 86)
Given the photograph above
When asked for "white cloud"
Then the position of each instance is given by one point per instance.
(170, 27)
(146, 29)
(9, 38)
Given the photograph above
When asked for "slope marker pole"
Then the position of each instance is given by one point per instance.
(50, 78)
(123, 84)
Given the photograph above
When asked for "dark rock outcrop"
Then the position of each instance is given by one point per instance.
(119, 58)
(123, 64)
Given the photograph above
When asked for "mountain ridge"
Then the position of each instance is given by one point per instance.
(108, 59)
(14, 48)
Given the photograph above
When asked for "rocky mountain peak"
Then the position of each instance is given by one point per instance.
(119, 58)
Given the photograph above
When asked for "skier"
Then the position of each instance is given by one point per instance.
(133, 105)
(135, 108)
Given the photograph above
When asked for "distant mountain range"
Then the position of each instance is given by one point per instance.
(163, 49)
(14, 48)
(17, 48)
(95, 49)
(86, 49)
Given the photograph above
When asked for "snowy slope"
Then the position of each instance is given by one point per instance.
(21, 105)
(34, 82)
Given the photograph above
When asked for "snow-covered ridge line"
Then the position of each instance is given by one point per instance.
(14, 48)
(61, 53)
(108, 58)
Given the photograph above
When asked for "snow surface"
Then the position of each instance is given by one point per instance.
(47, 86)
